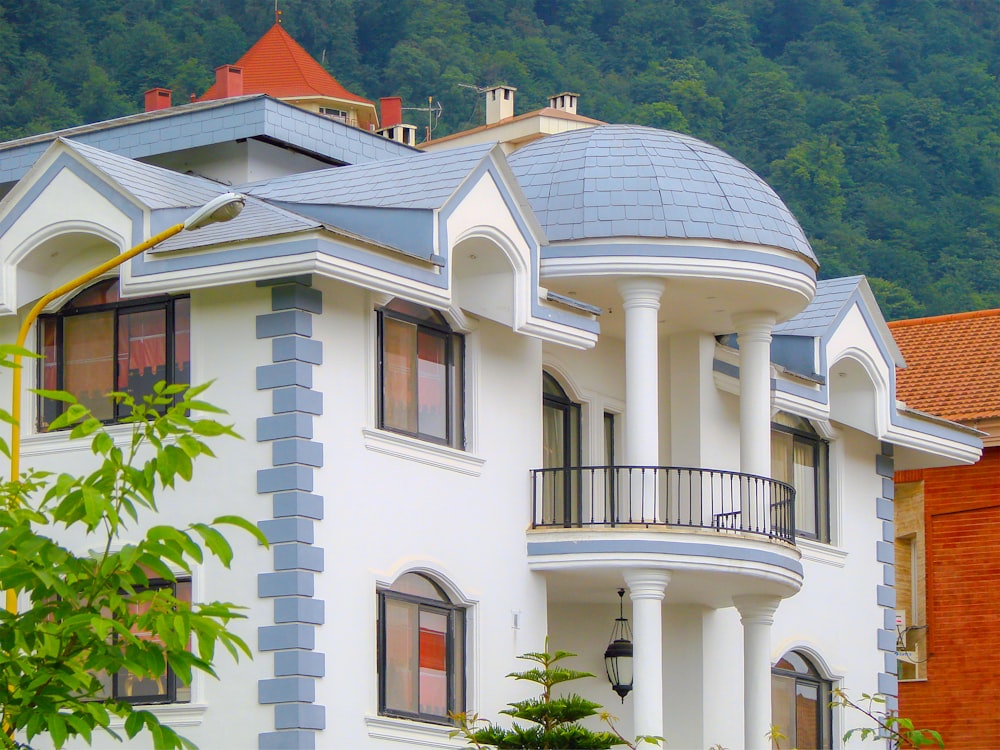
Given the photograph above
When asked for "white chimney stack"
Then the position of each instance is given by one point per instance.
(499, 103)
(565, 102)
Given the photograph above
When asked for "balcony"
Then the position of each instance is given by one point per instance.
(719, 533)
(668, 497)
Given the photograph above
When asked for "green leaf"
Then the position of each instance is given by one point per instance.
(243, 524)
(215, 542)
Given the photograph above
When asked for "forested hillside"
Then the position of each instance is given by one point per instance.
(878, 121)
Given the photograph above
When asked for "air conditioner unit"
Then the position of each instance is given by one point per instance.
(900, 620)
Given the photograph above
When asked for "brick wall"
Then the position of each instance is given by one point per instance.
(962, 531)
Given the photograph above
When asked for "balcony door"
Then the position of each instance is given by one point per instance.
(561, 455)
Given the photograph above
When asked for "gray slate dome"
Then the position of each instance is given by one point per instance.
(630, 181)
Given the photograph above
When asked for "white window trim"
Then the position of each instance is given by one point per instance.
(422, 451)
(412, 733)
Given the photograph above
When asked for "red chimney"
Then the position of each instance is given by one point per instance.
(157, 99)
(391, 108)
(229, 79)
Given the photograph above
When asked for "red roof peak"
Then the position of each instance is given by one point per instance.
(277, 65)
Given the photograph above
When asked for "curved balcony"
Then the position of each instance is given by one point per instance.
(652, 497)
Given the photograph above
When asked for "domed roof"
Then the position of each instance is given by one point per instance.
(616, 181)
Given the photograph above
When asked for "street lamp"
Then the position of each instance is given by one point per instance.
(618, 654)
(222, 208)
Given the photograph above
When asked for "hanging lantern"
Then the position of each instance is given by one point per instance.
(618, 654)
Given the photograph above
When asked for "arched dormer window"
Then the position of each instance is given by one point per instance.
(99, 343)
(799, 457)
(800, 703)
(421, 651)
(421, 374)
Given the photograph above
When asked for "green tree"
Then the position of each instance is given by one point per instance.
(81, 614)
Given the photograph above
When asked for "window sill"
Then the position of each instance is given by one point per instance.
(413, 733)
(402, 446)
(821, 552)
(44, 443)
(171, 714)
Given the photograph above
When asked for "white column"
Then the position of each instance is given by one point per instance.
(641, 301)
(757, 615)
(646, 589)
(754, 337)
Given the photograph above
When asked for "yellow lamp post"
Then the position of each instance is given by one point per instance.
(222, 208)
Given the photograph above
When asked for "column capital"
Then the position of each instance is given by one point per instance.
(756, 608)
(641, 292)
(647, 584)
(754, 326)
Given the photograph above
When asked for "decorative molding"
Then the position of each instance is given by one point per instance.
(421, 451)
(412, 733)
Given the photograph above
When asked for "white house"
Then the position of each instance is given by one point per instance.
(481, 393)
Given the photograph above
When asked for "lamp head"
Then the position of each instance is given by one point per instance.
(223, 208)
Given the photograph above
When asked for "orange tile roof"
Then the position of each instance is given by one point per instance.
(277, 65)
(953, 364)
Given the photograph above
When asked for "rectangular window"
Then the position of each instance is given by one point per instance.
(99, 343)
(799, 458)
(421, 656)
(421, 373)
(166, 688)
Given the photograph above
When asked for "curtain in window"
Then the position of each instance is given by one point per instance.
(399, 375)
(89, 360)
(804, 460)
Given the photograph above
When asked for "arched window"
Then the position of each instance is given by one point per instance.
(421, 651)
(799, 457)
(800, 703)
(421, 374)
(561, 454)
(99, 343)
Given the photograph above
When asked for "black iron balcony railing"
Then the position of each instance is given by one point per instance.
(652, 496)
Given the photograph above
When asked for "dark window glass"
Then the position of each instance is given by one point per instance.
(800, 703)
(799, 457)
(421, 645)
(99, 343)
(561, 455)
(421, 373)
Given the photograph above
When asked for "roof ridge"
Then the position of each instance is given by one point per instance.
(944, 318)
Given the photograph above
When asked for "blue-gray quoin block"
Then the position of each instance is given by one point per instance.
(296, 398)
(299, 716)
(298, 739)
(286, 348)
(283, 375)
(298, 504)
(291, 529)
(296, 297)
(286, 690)
(298, 557)
(302, 663)
(885, 552)
(284, 323)
(280, 426)
(285, 583)
(891, 662)
(887, 639)
(884, 466)
(885, 596)
(296, 451)
(884, 509)
(285, 478)
(299, 609)
(888, 684)
(292, 635)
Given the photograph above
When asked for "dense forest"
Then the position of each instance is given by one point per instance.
(878, 121)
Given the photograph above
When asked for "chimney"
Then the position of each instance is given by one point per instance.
(229, 79)
(564, 102)
(157, 99)
(405, 134)
(391, 109)
(499, 103)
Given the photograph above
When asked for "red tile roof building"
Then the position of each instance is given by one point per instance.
(948, 534)
(277, 65)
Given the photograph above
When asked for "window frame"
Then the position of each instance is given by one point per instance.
(169, 696)
(456, 651)
(455, 380)
(566, 477)
(821, 475)
(165, 302)
(824, 692)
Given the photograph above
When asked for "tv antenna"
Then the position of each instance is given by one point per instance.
(277, 13)
(433, 110)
